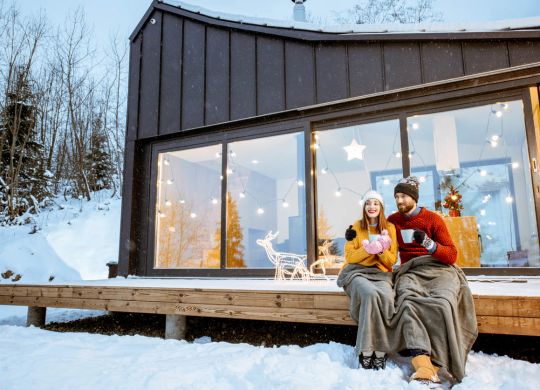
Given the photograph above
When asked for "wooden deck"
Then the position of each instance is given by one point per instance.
(502, 314)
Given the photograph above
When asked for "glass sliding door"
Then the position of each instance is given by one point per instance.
(349, 162)
(188, 212)
(475, 166)
(265, 194)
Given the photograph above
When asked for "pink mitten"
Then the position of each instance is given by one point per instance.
(373, 247)
(385, 240)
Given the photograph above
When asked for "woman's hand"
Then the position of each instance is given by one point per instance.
(385, 240)
(373, 247)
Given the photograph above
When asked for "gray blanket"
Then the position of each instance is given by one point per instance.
(371, 305)
(432, 310)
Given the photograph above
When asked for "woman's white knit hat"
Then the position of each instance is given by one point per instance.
(372, 195)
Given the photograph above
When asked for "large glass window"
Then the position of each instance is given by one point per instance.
(188, 208)
(351, 161)
(474, 166)
(265, 193)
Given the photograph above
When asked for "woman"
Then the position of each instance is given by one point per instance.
(370, 254)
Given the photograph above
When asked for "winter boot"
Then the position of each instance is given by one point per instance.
(378, 360)
(366, 361)
(425, 371)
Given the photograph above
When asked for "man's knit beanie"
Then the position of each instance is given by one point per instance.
(409, 186)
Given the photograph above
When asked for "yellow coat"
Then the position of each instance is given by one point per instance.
(356, 254)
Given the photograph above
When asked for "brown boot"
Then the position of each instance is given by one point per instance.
(425, 371)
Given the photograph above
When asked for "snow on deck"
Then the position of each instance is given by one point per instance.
(528, 286)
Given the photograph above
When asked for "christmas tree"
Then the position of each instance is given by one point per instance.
(452, 202)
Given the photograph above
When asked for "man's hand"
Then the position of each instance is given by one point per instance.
(422, 238)
(350, 233)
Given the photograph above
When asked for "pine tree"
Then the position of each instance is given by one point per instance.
(25, 182)
(324, 233)
(98, 161)
(235, 248)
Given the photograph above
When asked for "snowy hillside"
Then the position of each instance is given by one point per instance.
(73, 240)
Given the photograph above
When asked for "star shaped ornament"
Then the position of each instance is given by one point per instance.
(355, 150)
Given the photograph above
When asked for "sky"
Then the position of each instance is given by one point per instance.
(121, 16)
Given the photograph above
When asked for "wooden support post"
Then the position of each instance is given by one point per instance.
(36, 316)
(175, 326)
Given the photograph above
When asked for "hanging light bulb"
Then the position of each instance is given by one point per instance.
(255, 162)
(172, 229)
(498, 113)
(182, 201)
(214, 201)
(415, 126)
(483, 172)
(482, 212)
(242, 194)
(324, 171)
(316, 136)
(515, 165)
(260, 211)
(486, 198)
(285, 204)
(168, 203)
(493, 143)
(300, 183)
(397, 154)
(338, 193)
(193, 215)
(233, 154)
(229, 171)
(218, 154)
(161, 215)
(422, 179)
(386, 181)
(504, 106)
(495, 137)
(170, 181)
(509, 199)
(316, 146)
(166, 162)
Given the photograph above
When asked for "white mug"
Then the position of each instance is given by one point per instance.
(407, 235)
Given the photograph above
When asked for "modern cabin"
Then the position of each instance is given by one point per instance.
(239, 128)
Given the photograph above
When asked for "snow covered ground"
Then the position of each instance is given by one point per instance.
(75, 242)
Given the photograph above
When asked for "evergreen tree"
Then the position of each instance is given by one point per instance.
(98, 161)
(235, 248)
(324, 233)
(25, 182)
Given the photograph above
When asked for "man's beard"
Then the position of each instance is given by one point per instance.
(404, 209)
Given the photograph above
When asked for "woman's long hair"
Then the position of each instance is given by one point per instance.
(382, 224)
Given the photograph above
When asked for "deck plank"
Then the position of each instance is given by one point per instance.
(518, 315)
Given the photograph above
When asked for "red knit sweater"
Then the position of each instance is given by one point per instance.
(434, 227)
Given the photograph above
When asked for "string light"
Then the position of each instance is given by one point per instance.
(214, 201)
(482, 212)
(255, 162)
(415, 126)
(495, 137)
(166, 162)
(229, 171)
(193, 215)
(338, 193)
(422, 179)
(260, 211)
(324, 171)
(300, 183)
(483, 172)
(509, 199)
(168, 203)
(170, 181)
(182, 201)
(242, 194)
(285, 204)
(233, 154)
(386, 181)
(498, 113)
(218, 154)
(493, 143)
(515, 165)
(162, 215)
(397, 154)
(172, 229)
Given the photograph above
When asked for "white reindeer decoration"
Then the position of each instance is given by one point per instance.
(286, 264)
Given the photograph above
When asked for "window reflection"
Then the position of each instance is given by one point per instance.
(265, 193)
(482, 154)
(350, 161)
(188, 208)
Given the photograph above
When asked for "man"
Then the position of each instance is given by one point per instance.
(434, 319)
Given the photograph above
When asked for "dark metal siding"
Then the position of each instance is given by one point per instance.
(402, 67)
(270, 75)
(243, 76)
(194, 73)
(485, 56)
(171, 75)
(150, 76)
(365, 68)
(332, 72)
(217, 76)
